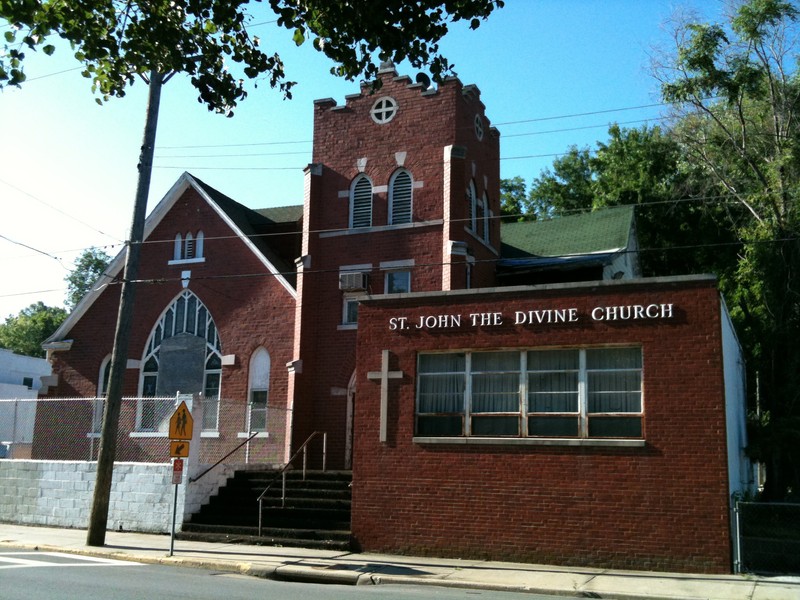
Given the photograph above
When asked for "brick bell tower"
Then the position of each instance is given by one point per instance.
(403, 195)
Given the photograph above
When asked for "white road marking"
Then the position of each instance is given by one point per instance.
(20, 560)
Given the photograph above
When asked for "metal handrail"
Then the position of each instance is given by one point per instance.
(193, 479)
(287, 466)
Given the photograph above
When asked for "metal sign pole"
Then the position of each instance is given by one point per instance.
(174, 512)
(177, 478)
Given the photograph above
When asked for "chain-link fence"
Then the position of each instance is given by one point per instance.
(769, 537)
(70, 429)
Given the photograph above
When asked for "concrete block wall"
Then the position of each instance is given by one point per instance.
(59, 494)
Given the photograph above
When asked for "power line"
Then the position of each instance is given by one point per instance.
(23, 245)
(584, 114)
(58, 210)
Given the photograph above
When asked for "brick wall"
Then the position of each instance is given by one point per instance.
(346, 142)
(663, 506)
(250, 308)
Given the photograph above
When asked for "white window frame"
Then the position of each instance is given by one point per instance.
(582, 414)
(348, 301)
(361, 201)
(195, 319)
(393, 272)
(472, 208)
(258, 376)
(401, 197)
(98, 404)
(383, 110)
(188, 248)
(487, 221)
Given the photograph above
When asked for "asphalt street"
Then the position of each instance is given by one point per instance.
(35, 575)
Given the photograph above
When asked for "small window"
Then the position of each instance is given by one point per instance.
(398, 282)
(361, 202)
(400, 192)
(472, 208)
(350, 311)
(188, 247)
(28, 382)
(259, 390)
(487, 221)
(102, 392)
(478, 127)
(384, 110)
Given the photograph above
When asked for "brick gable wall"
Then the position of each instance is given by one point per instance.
(249, 306)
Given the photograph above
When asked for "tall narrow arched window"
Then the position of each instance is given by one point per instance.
(102, 393)
(361, 202)
(472, 208)
(487, 220)
(183, 355)
(400, 196)
(259, 390)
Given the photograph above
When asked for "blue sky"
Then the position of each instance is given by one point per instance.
(552, 73)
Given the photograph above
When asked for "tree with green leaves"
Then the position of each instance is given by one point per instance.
(85, 274)
(24, 333)
(513, 199)
(564, 189)
(210, 41)
(736, 95)
(641, 167)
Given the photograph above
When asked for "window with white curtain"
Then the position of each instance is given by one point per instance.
(560, 393)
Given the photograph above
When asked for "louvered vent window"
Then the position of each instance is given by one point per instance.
(400, 198)
(472, 201)
(361, 203)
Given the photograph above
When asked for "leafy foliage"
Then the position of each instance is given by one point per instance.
(118, 40)
(25, 333)
(85, 274)
(719, 191)
(736, 94)
(565, 189)
(513, 199)
(391, 30)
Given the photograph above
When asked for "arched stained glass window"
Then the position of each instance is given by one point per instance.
(183, 354)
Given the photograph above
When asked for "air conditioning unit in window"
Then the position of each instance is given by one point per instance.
(353, 282)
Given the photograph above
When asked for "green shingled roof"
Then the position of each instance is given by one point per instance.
(282, 214)
(586, 233)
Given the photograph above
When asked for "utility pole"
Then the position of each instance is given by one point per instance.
(96, 534)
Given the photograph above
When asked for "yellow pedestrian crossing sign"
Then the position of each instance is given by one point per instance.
(181, 423)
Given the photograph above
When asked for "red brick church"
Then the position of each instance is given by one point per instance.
(512, 391)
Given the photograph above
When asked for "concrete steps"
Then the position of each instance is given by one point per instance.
(315, 514)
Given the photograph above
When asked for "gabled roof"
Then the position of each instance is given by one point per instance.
(250, 222)
(241, 219)
(598, 232)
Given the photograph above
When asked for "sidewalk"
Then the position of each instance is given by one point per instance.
(322, 566)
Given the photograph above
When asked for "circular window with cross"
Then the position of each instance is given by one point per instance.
(384, 110)
(478, 127)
